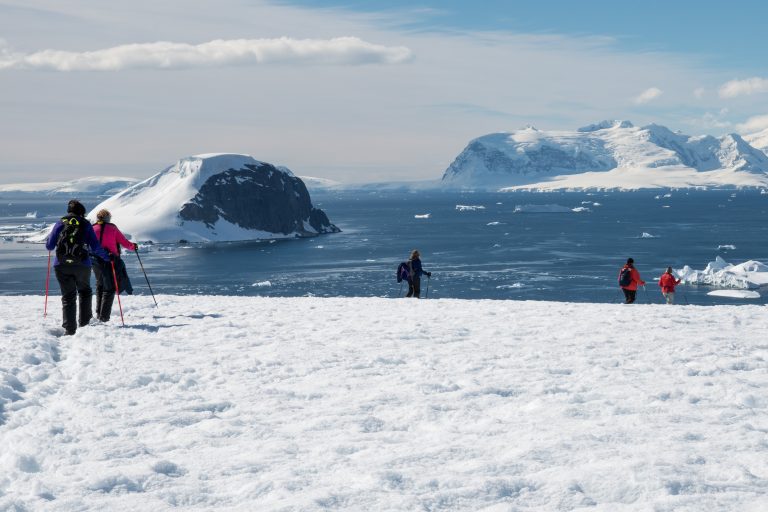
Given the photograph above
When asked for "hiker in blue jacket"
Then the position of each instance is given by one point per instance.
(72, 237)
(415, 271)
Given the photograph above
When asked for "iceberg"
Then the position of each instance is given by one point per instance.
(746, 276)
(542, 208)
(735, 294)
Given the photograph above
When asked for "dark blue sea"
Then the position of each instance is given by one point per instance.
(488, 251)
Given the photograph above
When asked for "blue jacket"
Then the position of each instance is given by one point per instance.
(90, 240)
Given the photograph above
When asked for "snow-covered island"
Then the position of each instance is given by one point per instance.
(247, 403)
(607, 155)
(217, 197)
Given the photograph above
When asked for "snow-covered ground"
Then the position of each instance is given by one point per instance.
(233, 403)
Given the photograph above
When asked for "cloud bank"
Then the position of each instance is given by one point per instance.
(648, 95)
(220, 52)
(753, 124)
(736, 88)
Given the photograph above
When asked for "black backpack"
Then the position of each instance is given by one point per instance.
(403, 272)
(70, 246)
(625, 277)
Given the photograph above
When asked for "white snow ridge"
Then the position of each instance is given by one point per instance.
(251, 404)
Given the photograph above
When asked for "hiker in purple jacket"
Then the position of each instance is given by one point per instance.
(72, 237)
(415, 271)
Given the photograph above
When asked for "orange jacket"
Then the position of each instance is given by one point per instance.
(636, 281)
(668, 283)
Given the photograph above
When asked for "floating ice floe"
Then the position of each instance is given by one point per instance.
(647, 235)
(763, 192)
(735, 294)
(262, 284)
(494, 223)
(727, 247)
(546, 208)
(469, 207)
(597, 204)
(745, 276)
(31, 215)
(422, 216)
(579, 209)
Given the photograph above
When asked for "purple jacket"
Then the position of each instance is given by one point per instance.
(90, 240)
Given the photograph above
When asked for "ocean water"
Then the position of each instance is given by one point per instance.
(485, 251)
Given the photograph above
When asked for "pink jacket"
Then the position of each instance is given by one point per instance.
(112, 236)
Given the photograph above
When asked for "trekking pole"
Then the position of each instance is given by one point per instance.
(47, 281)
(117, 292)
(150, 286)
(400, 293)
(427, 294)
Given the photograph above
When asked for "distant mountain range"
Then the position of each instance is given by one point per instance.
(607, 155)
(94, 186)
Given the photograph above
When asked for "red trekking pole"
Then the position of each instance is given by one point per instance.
(47, 280)
(117, 292)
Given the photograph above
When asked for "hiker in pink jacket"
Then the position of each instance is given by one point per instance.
(111, 239)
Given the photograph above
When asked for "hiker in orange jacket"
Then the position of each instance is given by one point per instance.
(629, 280)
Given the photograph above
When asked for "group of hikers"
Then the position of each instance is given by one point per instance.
(75, 240)
(629, 282)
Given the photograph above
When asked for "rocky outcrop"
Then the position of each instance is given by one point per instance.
(258, 197)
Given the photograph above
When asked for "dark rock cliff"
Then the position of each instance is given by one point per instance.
(258, 197)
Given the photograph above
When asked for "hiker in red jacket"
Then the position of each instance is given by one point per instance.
(668, 282)
(629, 280)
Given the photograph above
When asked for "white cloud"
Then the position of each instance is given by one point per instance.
(712, 120)
(753, 124)
(743, 87)
(220, 52)
(648, 95)
(699, 93)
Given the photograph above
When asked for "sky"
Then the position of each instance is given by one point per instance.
(356, 91)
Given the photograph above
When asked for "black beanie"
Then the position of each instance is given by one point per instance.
(630, 261)
(76, 207)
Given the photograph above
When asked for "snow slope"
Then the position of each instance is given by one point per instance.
(92, 186)
(610, 154)
(226, 403)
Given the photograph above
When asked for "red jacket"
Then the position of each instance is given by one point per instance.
(636, 281)
(668, 283)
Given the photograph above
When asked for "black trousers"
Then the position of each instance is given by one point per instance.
(105, 293)
(414, 287)
(629, 295)
(75, 282)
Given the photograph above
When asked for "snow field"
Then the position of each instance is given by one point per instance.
(378, 404)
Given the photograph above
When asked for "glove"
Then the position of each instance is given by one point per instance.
(429, 274)
(135, 247)
(112, 257)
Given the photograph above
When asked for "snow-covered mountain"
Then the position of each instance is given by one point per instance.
(217, 197)
(91, 186)
(610, 154)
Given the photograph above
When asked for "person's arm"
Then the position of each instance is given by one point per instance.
(53, 236)
(120, 237)
(93, 243)
(640, 282)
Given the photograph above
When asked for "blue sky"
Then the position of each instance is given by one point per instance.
(356, 91)
(730, 36)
